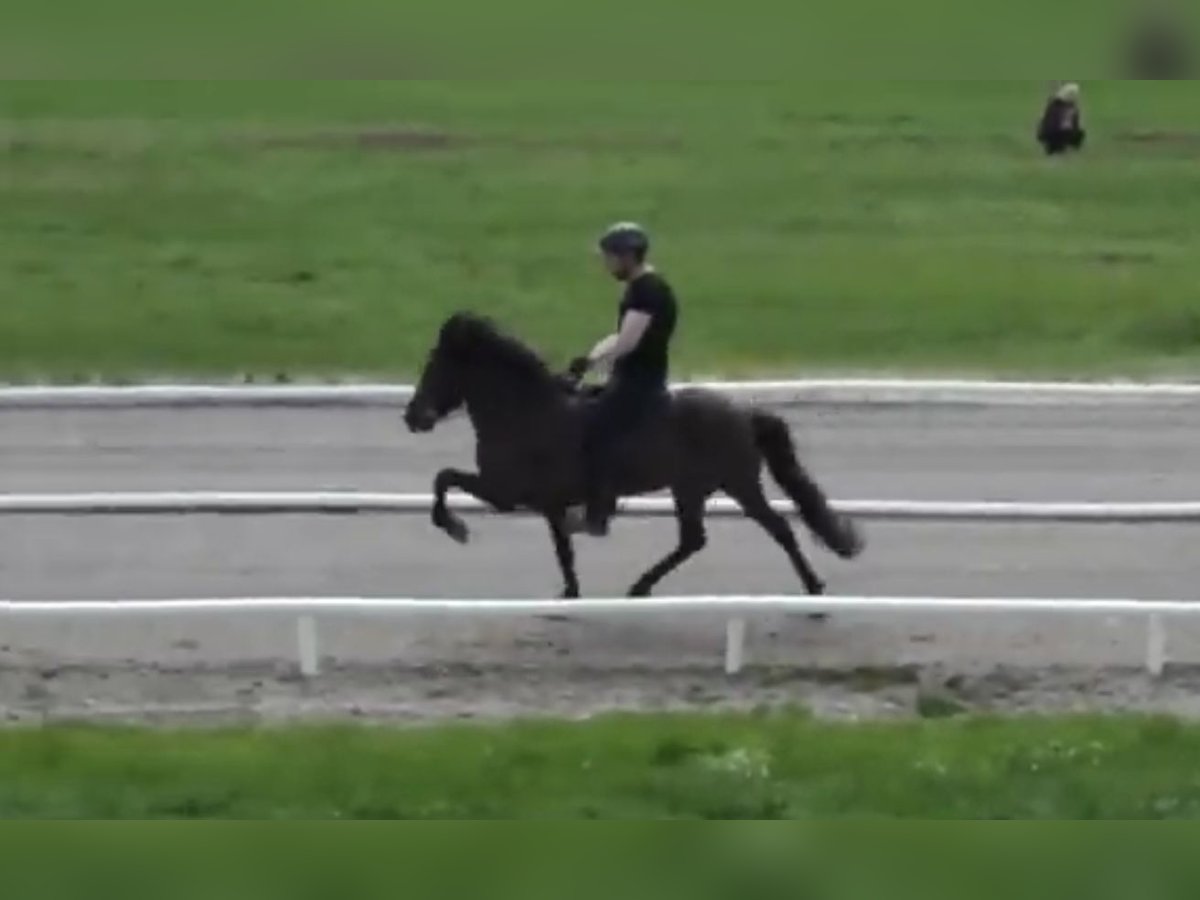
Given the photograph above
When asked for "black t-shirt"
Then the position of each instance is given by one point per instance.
(1061, 117)
(648, 362)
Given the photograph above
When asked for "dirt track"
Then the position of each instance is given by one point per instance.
(848, 667)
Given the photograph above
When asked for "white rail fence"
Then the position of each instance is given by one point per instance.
(736, 611)
(835, 391)
(305, 613)
(349, 502)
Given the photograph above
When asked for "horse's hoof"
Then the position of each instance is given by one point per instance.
(569, 594)
(639, 590)
(850, 543)
(457, 529)
(817, 589)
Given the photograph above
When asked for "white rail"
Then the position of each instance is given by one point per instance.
(735, 610)
(267, 503)
(834, 391)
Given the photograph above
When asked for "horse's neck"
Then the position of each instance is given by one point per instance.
(499, 407)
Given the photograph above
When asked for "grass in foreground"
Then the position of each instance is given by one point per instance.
(673, 767)
(326, 228)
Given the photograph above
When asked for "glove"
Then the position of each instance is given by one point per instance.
(579, 367)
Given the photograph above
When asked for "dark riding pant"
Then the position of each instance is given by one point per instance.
(621, 407)
(1062, 141)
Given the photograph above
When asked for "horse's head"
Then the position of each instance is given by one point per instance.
(473, 362)
(440, 390)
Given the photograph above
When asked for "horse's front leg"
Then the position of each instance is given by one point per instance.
(564, 549)
(469, 483)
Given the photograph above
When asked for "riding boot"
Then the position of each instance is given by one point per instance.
(599, 512)
(599, 504)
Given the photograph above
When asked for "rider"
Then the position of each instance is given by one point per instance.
(637, 353)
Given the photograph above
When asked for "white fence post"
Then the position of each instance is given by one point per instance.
(1156, 645)
(308, 647)
(735, 646)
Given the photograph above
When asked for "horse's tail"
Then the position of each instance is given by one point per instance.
(775, 443)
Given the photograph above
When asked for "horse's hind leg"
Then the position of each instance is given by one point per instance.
(689, 511)
(468, 483)
(756, 506)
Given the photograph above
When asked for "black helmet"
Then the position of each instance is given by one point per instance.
(626, 239)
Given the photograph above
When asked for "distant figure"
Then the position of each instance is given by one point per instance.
(1061, 128)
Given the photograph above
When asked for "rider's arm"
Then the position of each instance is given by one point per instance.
(603, 351)
(633, 328)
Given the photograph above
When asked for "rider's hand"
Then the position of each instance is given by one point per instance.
(579, 367)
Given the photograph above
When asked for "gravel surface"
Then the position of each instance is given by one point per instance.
(206, 671)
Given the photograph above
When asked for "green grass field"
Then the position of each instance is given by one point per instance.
(313, 229)
(324, 229)
(770, 767)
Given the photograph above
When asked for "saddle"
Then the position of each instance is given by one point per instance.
(585, 393)
(576, 391)
(622, 466)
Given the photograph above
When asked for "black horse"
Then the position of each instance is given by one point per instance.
(527, 423)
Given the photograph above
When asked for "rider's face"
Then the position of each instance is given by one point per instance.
(619, 267)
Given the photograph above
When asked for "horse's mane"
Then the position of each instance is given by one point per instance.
(479, 339)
